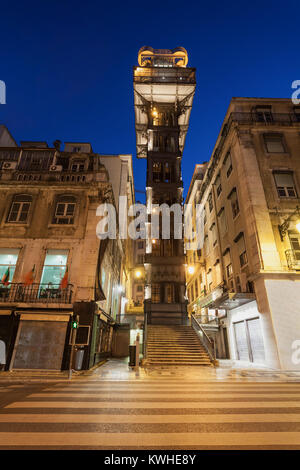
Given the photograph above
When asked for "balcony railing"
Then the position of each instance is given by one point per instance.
(270, 119)
(38, 293)
(293, 259)
(164, 75)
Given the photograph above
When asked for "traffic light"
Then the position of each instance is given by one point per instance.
(75, 322)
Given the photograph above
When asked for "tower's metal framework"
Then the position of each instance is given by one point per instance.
(163, 95)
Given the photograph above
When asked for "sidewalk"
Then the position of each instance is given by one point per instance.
(118, 369)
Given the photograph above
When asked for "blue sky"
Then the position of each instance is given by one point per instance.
(67, 66)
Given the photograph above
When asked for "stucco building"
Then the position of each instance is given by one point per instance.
(53, 267)
(245, 267)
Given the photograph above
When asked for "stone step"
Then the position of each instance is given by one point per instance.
(176, 363)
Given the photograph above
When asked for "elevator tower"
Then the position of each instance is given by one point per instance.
(164, 89)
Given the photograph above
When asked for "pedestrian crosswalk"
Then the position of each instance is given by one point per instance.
(154, 414)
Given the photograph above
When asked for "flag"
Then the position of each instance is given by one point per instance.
(64, 281)
(5, 278)
(29, 277)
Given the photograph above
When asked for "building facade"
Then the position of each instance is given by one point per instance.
(53, 266)
(244, 269)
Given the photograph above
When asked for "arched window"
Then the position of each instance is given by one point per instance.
(64, 210)
(19, 209)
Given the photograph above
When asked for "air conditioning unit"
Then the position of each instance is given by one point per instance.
(56, 168)
(9, 165)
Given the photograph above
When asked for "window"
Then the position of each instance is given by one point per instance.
(285, 184)
(227, 263)
(213, 229)
(140, 245)
(228, 164)
(156, 172)
(222, 221)
(210, 202)
(64, 210)
(155, 293)
(140, 259)
(139, 288)
(209, 280)
(218, 185)
(8, 261)
(295, 243)
(156, 247)
(196, 289)
(264, 114)
(218, 272)
(167, 177)
(206, 246)
(170, 293)
(77, 165)
(234, 203)
(297, 113)
(204, 216)
(274, 143)
(54, 269)
(241, 248)
(19, 209)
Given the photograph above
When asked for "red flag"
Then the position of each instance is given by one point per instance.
(29, 277)
(5, 278)
(64, 281)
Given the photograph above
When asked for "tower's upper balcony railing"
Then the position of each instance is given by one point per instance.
(164, 75)
(149, 57)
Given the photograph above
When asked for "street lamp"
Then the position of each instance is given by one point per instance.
(285, 225)
(191, 269)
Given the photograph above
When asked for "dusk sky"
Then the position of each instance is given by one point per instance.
(67, 66)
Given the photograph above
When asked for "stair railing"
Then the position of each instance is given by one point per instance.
(145, 336)
(206, 341)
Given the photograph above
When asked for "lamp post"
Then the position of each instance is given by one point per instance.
(286, 223)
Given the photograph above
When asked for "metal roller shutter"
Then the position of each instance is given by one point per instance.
(241, 341)
(41, 345)
(256, 340)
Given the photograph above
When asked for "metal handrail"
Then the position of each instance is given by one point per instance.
(145, 336)
(206, 341)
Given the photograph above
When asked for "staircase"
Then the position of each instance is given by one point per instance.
(175, 345)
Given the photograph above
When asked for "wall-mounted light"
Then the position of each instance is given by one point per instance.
(191, 269)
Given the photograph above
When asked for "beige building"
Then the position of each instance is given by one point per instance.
(245, 267)
(52, 264)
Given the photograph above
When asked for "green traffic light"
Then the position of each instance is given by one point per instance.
(74, 324)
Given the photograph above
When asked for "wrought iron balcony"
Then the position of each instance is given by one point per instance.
(282, 119)
(293, 259)
(36, 293)
(164, 75)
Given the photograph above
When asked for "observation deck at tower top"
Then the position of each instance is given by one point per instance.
(162, 79)
(163, 66)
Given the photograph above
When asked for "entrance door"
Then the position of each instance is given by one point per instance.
(241, 341)
(41, 345)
